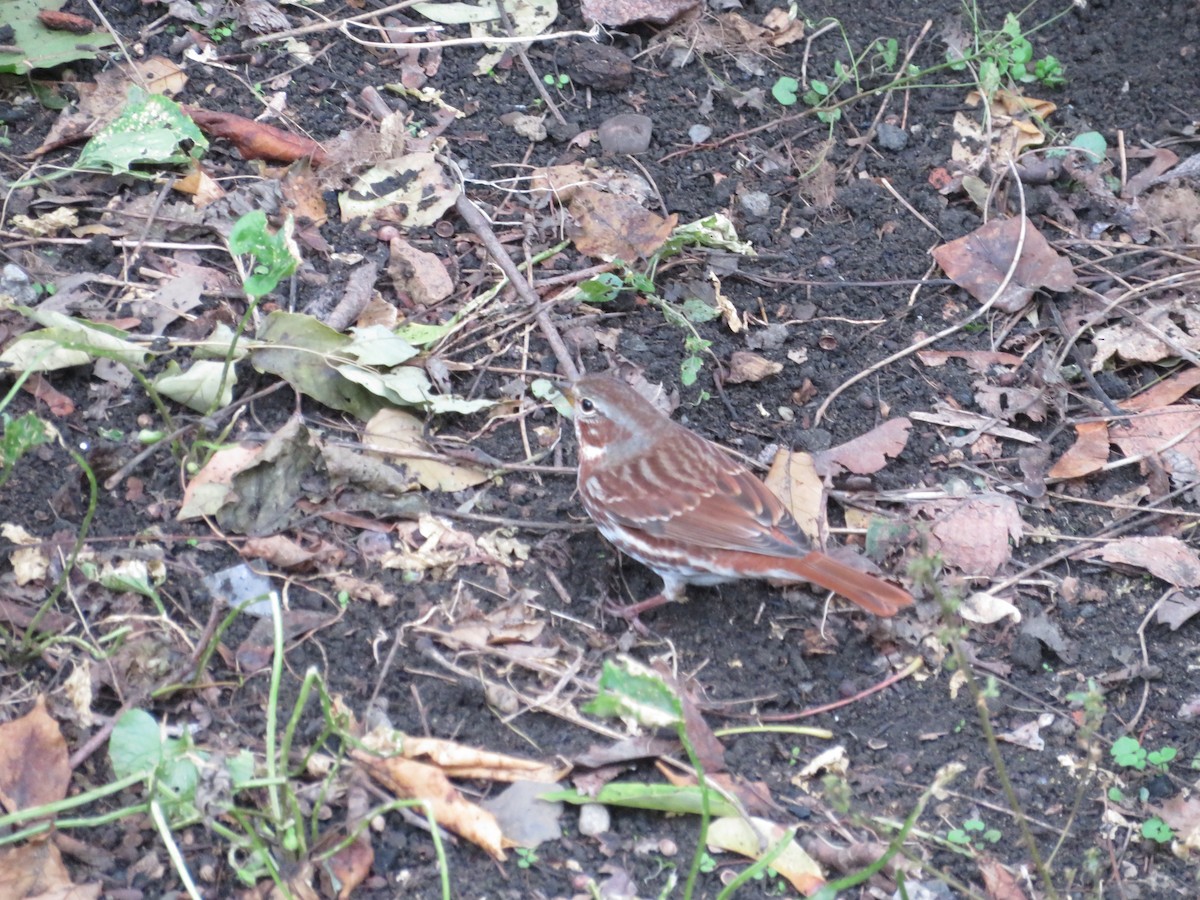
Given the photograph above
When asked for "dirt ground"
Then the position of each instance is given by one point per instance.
(843, 230)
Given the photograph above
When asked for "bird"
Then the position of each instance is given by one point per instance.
(686, 509)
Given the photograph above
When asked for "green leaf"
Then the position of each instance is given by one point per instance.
(601, 289)
(151, 130)
(689, 370)
(34, 46)
(696, 310)
(197, 387)
(1156, 829)
(784, 90)
(633, 691)
(275, 255)
(20, 436)
(67, 341)
(377, 345)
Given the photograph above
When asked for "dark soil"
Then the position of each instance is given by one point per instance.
(847, 266)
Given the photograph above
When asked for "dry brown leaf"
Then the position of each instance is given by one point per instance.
(1163, 556)
(737, 835)
(35, 870)
(1178, 323)
(973, 534)
(788, 29)
(419, 781)
(609, 227)
(1000, 883)
(34, 769)
(460, 761)
(794, 480)
(256, 140)
(866, 453)
(398, 434)
(1005, 403)
(1176, 609)
(1029, 735)
(1165, 392)
(745, 366)
(1088, 454)
(1171, 433)
(978, 262)
(286, 553)
(973, 423)
(417, 273)
(627, 12)
(976, 360)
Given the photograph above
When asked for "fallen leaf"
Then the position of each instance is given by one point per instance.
(1177, 609)
(398, 435)
(1163, 556)
(256, 140)
(609, 227)
(615, 13)
(1029, 735)
(742, 836)
(973, 534)
(1088, 454)
(745, 366)
(1171, 433)
(987, 609)
(998, 881)
(976, 360)
(793, 478)
(978, 262)
(867, 453)
(419, 274)
(34, 769)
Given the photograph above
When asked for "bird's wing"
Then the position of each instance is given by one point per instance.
(703, 498)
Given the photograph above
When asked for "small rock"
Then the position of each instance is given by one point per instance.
(890, 137)
(594, 819)
(626, 133)
(598, 66)
(756, 203)
(562, 131)
(698, 134)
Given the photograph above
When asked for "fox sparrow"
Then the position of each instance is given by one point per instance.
(681, 506)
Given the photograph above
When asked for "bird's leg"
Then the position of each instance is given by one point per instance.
(673, 589)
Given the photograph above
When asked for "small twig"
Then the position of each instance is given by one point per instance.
(913, 665)
(519, 49)
(1141, 633)
(912, 209)
(946, 332)
(1084, 369)
(483, 229)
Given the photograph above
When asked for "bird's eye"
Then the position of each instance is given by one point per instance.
(587, 406)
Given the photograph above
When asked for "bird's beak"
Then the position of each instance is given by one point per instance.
(567, 389)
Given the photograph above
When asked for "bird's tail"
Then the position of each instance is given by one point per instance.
(871, 593)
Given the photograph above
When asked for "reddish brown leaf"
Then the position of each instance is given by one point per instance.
(1088, 454)
(61, 21)
(256, 140)
(610, 227)
(33, 760)
(978, 262)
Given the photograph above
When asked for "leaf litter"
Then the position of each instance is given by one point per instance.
(273, 481)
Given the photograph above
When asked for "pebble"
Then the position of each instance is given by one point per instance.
(756, 203)
(626, 133)
(891, 137)
(594, 819)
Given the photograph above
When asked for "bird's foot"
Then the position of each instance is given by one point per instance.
(632, 612)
